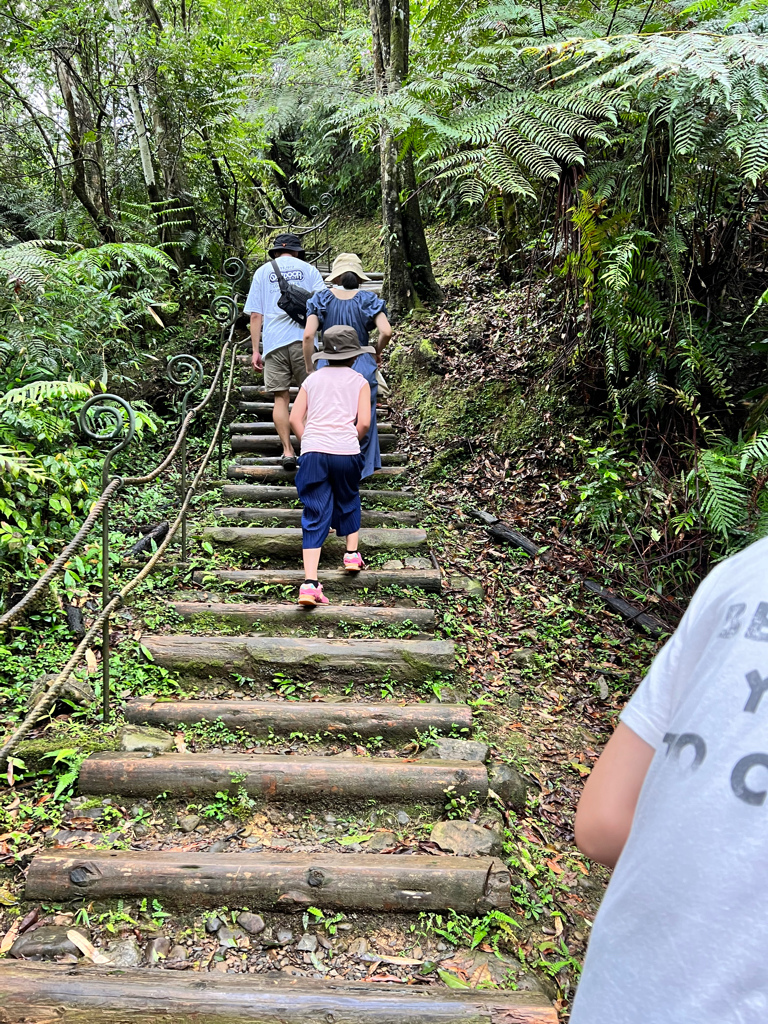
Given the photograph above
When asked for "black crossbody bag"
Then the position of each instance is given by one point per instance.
(293, 299)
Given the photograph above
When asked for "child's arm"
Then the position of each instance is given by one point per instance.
(363, 411)
(299, 413)
(308, 346)
(607, 806)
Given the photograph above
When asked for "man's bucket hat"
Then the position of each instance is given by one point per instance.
(291, 242)
(344, 263)
(341, 343)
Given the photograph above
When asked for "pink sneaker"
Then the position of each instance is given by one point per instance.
(311, 594)
(353, 561)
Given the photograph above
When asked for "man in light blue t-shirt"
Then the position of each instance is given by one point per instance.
(283, 361)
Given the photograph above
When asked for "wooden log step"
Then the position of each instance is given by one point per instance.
(271, 443)
(267, 616)
(337, 881)
(269, 428)
(259, 657)
(262, 410)
(292, 517)
(387, 459)
(39, 993)
(257, 717)
(267, 493)
(335, 581)
(273, 474)
(285, 541)
(258, 393)
(281, 777)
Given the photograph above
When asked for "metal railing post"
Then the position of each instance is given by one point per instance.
(100, 422)
(224, 310)
(191, 377)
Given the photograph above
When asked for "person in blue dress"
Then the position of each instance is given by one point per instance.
(346, 304)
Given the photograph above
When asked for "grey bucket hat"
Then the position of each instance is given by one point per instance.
(340, 343)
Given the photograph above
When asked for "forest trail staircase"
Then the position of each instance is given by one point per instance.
(351, 688)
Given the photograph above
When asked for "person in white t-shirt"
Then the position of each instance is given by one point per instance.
(677, 802)
(278, 336)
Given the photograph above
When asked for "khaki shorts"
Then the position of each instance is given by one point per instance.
(284, 367)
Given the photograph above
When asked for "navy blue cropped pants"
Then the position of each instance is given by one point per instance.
(329, 490)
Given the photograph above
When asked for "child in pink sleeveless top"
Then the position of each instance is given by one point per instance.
(330, 415)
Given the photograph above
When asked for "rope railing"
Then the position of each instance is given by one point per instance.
(103, 418)
(54, 689)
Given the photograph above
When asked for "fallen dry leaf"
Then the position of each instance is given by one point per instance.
(90, 660)
(86, 947)
(10, 937)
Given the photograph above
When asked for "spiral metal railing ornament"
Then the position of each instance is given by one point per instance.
(184, 371)
(234, 270)
(102, 419)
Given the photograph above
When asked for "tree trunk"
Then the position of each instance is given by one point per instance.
(105, 226)
(407, 264)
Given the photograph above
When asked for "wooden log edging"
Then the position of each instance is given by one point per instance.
(263, 880)
(334, 581)
(277, 776)
(634, 616)
(505, 533)
(270, 443)
(38, 993)
(277, 473)
(259, 657)
(266, 616)
(257, 717)
(271, 492)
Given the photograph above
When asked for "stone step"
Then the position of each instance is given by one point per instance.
(273, 474)
(334, 581)
(387, 459)
(262, 617)
(271, 443)
(269, 428)
(258, 717)
(97, 995)
(292, 517)
(268, 880)
(260, 657)
(264, 494)
(324, 616)
(282, 777)
(285, 541)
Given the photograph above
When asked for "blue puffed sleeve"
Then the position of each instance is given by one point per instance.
(371, 305)
(318, 304)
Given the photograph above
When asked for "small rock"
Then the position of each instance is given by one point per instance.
(252, 923)
(380, 841)
(509, 785)
(216, 847)
(307, 943)
(135, 738)
(393, 563)
(124, 952)
(358, 947)
(603, 688)
(228, 937)
(140, 831)
(465, 839)
(417, 563)
(523, 656)
(441, 947)
(402, 818)
(178, 953)
(345, 926)
(324, 942)
(76, 836)
(330, 819)
(212, 925)
(284, 936)
(157, 949)
(188, 822)
(45, 943)
(468, 586)
(202, 829)
(457, 750)
(221, 966)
